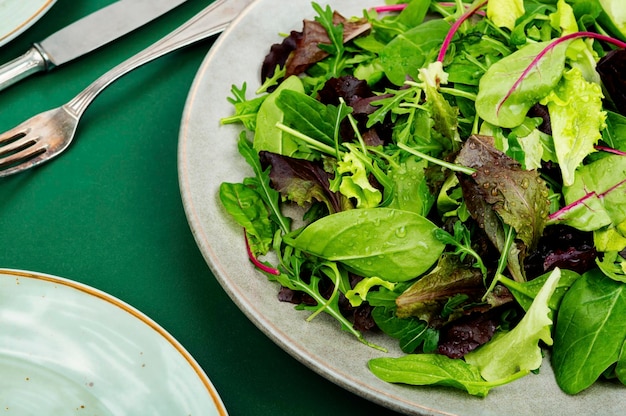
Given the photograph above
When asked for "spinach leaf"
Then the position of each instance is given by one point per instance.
(408, 52)
(388, 243)
(590, 331)
(503, 103)
(435, 369)
(268, 136)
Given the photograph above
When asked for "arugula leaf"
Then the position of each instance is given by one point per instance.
(246, 110)
(311, 117)
(613, 265)
(410, 332)
(589, 332)
(294, 267)
(519, 349)
(247, 208)
(526, 292)
(261, 183)
(462, 243)
(335, 33)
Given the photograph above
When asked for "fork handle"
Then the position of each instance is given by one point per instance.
(210, 21)
(16, 70)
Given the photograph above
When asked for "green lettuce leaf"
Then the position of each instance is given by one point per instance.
(577, 119)
(597, 197)
(519, 348)
(504, 13)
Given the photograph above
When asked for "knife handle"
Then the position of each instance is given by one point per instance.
(31, 62)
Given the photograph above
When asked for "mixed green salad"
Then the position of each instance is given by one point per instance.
(459, 173)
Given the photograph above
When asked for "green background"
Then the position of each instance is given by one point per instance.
(108, 213)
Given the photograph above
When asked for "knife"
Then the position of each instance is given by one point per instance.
(84, 36)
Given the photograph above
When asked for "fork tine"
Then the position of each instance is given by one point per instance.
(20, 142)
(23, 159)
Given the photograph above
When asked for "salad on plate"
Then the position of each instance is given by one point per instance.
(450, 174)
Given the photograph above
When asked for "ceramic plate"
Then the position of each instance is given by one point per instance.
(208, 156)
(69, 349)
(18, 15)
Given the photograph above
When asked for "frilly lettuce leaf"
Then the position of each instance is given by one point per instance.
(504, 13)
(352, 181)
(577, 119)
(519, 348)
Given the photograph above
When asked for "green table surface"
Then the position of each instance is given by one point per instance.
(108, 213)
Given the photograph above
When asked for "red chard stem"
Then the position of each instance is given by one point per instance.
(551, 46)
(256, 261)
(446, 42)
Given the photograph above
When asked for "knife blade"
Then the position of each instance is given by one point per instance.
(84, 36)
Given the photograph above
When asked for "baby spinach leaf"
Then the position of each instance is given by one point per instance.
(392, 244)
(268, 136)
(503, 103)
(435, 369)
(526, 292)
(519, 348)
(408, 52)
(590, 331)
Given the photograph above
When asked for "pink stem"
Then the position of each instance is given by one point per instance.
(390, 8)
(256, 261)
(455, 27)
(610, 150)
(582, 200)
(551, 46)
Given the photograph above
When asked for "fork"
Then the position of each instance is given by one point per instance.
(48, 134)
